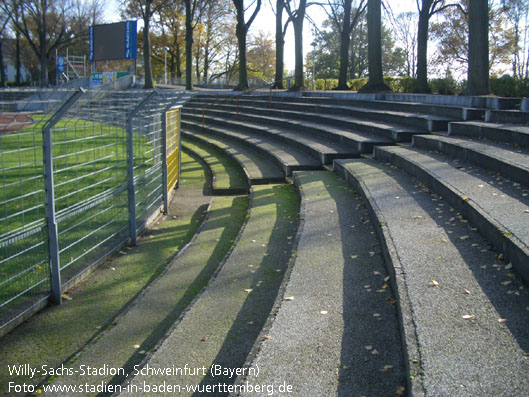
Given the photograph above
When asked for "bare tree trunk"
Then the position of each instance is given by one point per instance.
(280, 45)
(345, 41)
(178, 62)
(478, 48)
(147, 46)
(299, 76)
(2, 70)
(189, 46)
(43, 58)
(374, 48)
(241, 38)
(422, 48)
(18, 63)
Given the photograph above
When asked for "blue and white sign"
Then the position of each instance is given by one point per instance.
(131, 39)
(60, 64)
(91, 44)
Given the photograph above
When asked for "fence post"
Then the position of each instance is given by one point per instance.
(164, 164)
(53, 233)
(130, 169)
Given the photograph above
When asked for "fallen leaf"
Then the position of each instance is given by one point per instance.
(502, 320)
(401, 390)
(375, 352)
(468, 317)
(65, 296)
(204, 339)
(467, 292)
(248, 290)
(347, 367)
(376, 315)
(354, 256)
(368, 347)
(377, 273)
(507, 282)
(266, 337)
(136, 346)
(386, 279)
(526, 211)
(508, 266)
(433, 283)
(323, 312)
(289, 298)
(465, 198)
(386, 368)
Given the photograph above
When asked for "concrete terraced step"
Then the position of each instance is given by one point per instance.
(227, 176)
(336, 330)
(286, 156)
(512, 163)
(222, 325)
(307, 122)
(324, 142)
(507, 117)
(451, 111)
(463, 313)
(498, 207)
(258, 169)
(508, 133)
(138, 330)
(337, 114)
(318, 146)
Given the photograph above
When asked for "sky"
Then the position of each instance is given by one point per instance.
(265, 21)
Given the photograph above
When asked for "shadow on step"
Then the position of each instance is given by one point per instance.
(371, 359)
(502, 287)
(267, 281)
(226, 218)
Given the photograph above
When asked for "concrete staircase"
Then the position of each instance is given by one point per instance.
(403, 272)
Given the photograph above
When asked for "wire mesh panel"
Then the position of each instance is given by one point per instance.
(86, 185)
(173, 147)
(90, 178)
(148, 145)
(24, 272)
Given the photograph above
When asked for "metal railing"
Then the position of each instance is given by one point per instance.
(78, 185)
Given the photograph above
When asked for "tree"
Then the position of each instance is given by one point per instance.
(374, 35)
(242, 32)
(517, 12)
(4, 21)
(451, 34)
(280, 43)
(406, 33)
(426, 11)
(172, 20)
(341, 12)
(146, 9)
(261, 56)
(478, 48)
(297, 15)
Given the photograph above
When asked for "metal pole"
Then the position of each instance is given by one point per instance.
(53, 234)
(164, 165)
(130, 182)
(165, 65)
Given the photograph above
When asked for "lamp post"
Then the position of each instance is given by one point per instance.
(165, 49)
(313, 44)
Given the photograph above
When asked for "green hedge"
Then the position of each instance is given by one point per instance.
(501, 86)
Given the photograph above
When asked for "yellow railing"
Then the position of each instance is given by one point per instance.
(173, 146)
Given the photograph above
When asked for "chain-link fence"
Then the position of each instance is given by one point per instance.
(77, 186)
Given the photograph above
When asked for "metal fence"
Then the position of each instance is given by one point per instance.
(79, 184)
